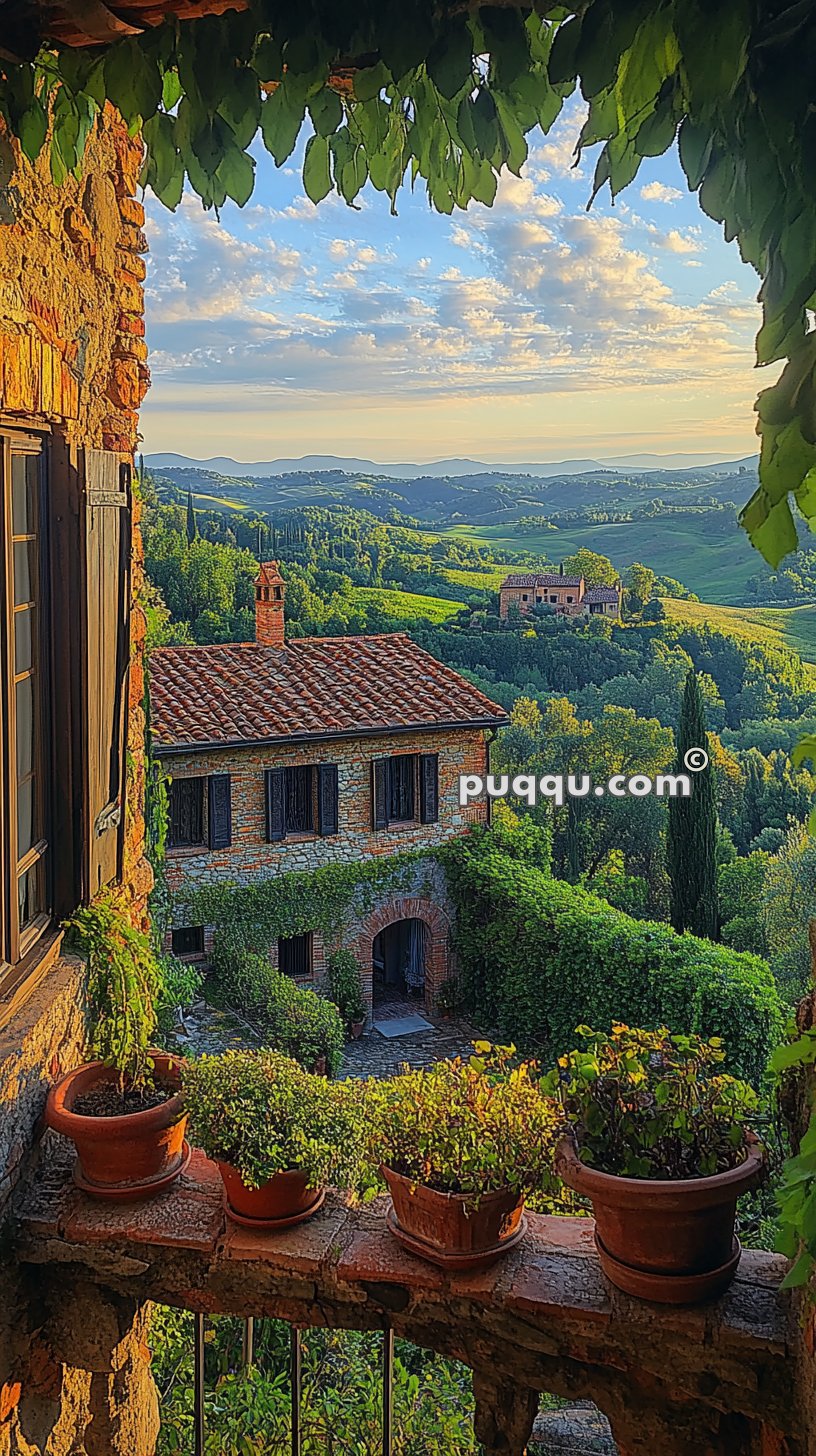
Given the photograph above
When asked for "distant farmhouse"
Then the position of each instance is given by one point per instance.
(569, 596)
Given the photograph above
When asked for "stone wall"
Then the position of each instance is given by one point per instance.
(251, 856)
(72, 360)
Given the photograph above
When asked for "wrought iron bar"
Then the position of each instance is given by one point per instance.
(248, 1348)
(388, 1392)
(198, 1385)
(296, 1377)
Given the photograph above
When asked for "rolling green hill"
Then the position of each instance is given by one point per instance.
(410, 605)
(792, 627)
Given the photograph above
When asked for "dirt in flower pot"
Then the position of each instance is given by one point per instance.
(107, 1100)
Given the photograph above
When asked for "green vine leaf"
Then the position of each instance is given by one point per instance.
(317, 178)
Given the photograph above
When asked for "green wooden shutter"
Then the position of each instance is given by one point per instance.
(276, 803)
(219, 811)
(379, 792)
(327, 798)
(106, 519)
(428, 788)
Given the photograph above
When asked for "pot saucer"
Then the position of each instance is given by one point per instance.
(669, 1288)
(459, 1261)
(271, 1224)
(133, 1192)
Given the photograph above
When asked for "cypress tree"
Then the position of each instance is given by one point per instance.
(692, 827)
(192, 524)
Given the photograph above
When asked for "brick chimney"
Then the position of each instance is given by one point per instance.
(270, 590)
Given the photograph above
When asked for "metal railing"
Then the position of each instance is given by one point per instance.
(295, 1384)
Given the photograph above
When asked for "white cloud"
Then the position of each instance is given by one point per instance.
(677, 242)
(659, 192)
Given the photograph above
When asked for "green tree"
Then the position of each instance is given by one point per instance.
(639, 581)
(192, 524)
(692, 828)
(596, 570)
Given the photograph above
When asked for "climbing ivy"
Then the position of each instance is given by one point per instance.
(391, 91)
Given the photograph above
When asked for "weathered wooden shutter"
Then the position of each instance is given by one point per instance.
(276, 803)
(107, 542)
(327, 798)
(219, 810)
(379, 792)
(428, 788)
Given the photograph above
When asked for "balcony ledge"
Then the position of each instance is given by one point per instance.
(714, 1378)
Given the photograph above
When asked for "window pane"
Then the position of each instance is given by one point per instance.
(24, 693)
(31, 894)
(26, 817)
(186, 826)
(401, 787)
(295, 955)
(24, 476)
(25, 571)
(299, 801)
(23, 639)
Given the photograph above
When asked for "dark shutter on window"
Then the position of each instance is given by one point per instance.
(428, 787)
(107, 536)
(379, 792)
(275, 803)
(327, 798)
(219, 810)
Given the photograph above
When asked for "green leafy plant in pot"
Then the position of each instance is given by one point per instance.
(123, 1110)
(346, 991)
(659, 1141)
(278, 1133)
(461, 1145)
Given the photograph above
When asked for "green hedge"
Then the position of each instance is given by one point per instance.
(291, 1018)
(538, 957)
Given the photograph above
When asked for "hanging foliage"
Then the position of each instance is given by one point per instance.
(390, 91)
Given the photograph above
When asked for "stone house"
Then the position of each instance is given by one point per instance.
(568, 596)
(291, 755)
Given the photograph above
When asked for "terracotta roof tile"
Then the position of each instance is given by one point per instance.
(538, 578)
(602, 594)
(312, 687)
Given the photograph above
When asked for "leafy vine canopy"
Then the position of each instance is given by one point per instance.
(394, 91)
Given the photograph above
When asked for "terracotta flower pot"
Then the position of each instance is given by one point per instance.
(356, 1029)
(282, 1202)
(131, 1156)
(320, 1068)
(447, 1229)
(668, 1241)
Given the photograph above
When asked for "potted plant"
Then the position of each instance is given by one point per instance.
(278, 1133)
(447, 999)
(123, 1110)
(460, 1145)
(658, 1140)
(346, 991)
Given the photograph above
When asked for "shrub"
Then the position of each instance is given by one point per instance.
(646, 1104)
(466, 1127)
(123, 984)
(345, 986)
(296, 1020)
(181, 983)
(260, 1112)
(537, 956)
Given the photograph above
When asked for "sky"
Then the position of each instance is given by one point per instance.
(530, 331)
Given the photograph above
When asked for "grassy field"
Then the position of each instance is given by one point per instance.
(793, 627)
(407, 604)
(714, 565)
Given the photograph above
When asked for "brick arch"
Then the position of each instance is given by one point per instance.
(437, 957)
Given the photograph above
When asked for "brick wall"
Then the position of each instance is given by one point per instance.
(250, 856)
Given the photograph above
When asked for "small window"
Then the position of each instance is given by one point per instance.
(300, 800)
(401, 788)
(524, 596)
(189, 941)
(186, 813)
(295, 955)
(570, 599)
(554, 600)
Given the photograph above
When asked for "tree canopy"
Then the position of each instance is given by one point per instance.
(398, 90)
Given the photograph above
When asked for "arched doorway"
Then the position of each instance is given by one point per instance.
(431, 937)
(398, 962)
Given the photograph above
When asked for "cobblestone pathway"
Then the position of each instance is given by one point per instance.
(204, 1029)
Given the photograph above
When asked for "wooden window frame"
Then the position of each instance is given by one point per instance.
(25, 953)
(197, 846)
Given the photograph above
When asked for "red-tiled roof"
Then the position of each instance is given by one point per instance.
(538, 578)
(312, 687)
(602, 594)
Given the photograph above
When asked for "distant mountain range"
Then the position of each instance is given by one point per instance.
(223, 465)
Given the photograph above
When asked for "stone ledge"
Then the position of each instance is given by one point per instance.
(544, 1318)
